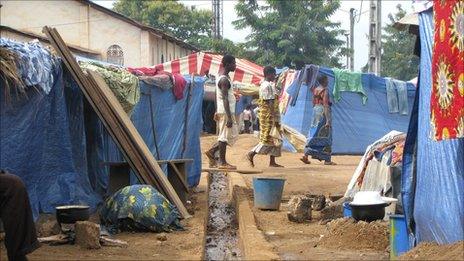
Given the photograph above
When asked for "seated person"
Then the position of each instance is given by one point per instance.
(16, 215)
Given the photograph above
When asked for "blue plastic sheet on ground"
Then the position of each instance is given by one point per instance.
(355, 126)
(435, 193)
(42, 141)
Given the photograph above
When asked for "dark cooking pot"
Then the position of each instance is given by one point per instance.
(72, 213)
(368, 213)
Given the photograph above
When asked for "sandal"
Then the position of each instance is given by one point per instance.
(329, 163)
(305, 160)
(211, 159)
(276, 166)
(250, 160)
(227, 166)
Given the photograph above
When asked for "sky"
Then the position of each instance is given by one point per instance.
(361, 27)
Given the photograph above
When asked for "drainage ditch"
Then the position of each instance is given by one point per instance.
(222, 227)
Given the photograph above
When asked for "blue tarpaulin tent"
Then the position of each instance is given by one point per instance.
(56, 143)
(173, 126)
(433, 171)
(355, 126)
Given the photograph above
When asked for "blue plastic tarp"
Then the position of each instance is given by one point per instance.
(355, 126)
(42, 141)
(170, 123)
(57, 145)
(433, 178)
(168, 117)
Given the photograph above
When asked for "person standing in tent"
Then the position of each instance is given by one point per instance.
(269, 120)
(225, 115)
(319, 144)
(16, 215)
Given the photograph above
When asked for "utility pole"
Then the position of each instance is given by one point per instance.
(348, 48)
(352, 39)
(375, 36)
(218, 19)
(379, 38)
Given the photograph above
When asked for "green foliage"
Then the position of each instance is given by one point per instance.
(291, 33)
(398, 60)
(190, 25)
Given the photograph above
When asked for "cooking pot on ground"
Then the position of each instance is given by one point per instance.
(368, 213)
(72, 213)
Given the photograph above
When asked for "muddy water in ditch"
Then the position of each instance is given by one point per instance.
(221, 232)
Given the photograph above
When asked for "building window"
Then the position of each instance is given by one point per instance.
(162, 58)
(115, 55)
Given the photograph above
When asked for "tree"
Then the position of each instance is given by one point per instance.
(398, 60)
(188, 24)
(291, 33)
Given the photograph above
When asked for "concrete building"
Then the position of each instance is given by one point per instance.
(92, 31)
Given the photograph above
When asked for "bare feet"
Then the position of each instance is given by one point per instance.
(227, 166)
(305, 160)
(275, 165)
(211, 159)
(249, 157)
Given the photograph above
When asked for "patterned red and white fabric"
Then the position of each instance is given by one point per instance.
(284, 97)
(208, 63)
(447, 98)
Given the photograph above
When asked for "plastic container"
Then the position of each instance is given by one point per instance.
(346, 209)
(267, 192)
(399, 240)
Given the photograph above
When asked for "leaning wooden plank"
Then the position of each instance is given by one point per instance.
(86, 87)
(124, 139)
(143, 163)
(159, 175)
(76, 72)
(74, 68)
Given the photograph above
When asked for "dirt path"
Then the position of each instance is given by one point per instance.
(180, 245)
(291, 240)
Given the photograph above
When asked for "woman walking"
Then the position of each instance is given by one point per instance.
(269, 120)
(319, 144)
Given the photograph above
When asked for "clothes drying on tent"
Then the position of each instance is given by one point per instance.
(178, 82)
(349, 82)
(124, 85)
(163, 81)
(308, 77)
(285, 79)
(179, 86)
(355, 126)
(34, 63)
(397, 96)
(42, 135)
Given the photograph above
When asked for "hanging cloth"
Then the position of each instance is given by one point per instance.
(349, 82)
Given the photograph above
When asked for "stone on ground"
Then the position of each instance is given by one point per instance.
(299, 209)
(87, 235)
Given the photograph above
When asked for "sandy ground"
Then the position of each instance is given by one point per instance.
(180, 245)
(291, 240)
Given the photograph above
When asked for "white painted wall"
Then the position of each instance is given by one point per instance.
(81, 25)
